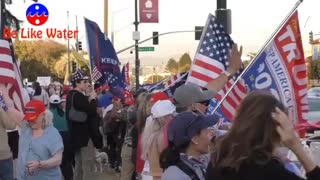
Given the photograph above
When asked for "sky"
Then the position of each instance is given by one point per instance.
(253, 21)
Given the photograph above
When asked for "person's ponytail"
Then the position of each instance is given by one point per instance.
(171, 155)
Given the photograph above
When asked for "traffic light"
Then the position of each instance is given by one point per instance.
(198, 32)
(80, 46)
(155, 38)
(74, 66)
(311, 37)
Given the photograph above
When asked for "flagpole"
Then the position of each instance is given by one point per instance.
(293, 10)
(69, 65)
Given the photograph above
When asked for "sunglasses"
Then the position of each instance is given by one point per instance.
(205, 103)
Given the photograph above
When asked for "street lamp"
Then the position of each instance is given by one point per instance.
(112, 22)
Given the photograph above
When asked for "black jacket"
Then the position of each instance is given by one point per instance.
(273, 170)
(80, 133)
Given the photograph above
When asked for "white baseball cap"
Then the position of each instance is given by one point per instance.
(55, 99)
(162, 108)
(106, 110)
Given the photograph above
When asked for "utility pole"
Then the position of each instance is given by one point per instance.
(137, 61)
(77, 40)
(69, 65)
(106, 9)
(112, 29)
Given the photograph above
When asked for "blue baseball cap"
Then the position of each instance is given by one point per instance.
(186, 125)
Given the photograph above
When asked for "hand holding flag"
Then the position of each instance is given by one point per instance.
(217, 56)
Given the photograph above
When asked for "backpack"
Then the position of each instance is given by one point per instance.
(187, 170)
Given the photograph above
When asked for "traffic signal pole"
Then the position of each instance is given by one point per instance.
(137, 61)
(151, 38)
(69, 65)
(224, 15)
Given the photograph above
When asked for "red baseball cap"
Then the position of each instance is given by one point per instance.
(159, 96)
(115, 98)
(33, 109)
(106, 87)
(129, 99)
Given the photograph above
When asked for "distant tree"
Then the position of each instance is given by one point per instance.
(44, 54)
(172, 65)
(155, 79)
(185, 63)
(185, 68)
(246, 63)
(32, 70)
(61, 66)
(185, 59)
(315, 69)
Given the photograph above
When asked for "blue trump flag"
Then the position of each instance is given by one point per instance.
(279, 70)
(103, 60)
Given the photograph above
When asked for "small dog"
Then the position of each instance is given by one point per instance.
(101, 160)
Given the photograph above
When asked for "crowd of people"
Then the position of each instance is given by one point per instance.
(147, 136)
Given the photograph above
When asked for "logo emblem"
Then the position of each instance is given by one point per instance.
(37, 14)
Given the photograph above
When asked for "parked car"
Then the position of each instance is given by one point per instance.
(313, 121)
(315, 91)
(314, 109)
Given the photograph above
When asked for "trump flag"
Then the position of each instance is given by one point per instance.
(103, 60)
(281, 70)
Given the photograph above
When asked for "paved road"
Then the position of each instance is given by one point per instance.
(108, 174)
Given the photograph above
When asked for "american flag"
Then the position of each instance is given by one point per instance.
(168, 86)
(211, 60)
(10, 75)
(175, 79)
(96, 74)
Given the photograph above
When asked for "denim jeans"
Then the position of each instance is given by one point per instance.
(6, 169)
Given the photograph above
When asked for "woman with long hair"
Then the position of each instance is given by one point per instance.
(189, 136)
(249, 150)
(154, 138)
(144, 110)
(40, 145)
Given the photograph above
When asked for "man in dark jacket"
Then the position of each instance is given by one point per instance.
(82, 132)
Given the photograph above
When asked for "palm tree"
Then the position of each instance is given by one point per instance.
(8, 19)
